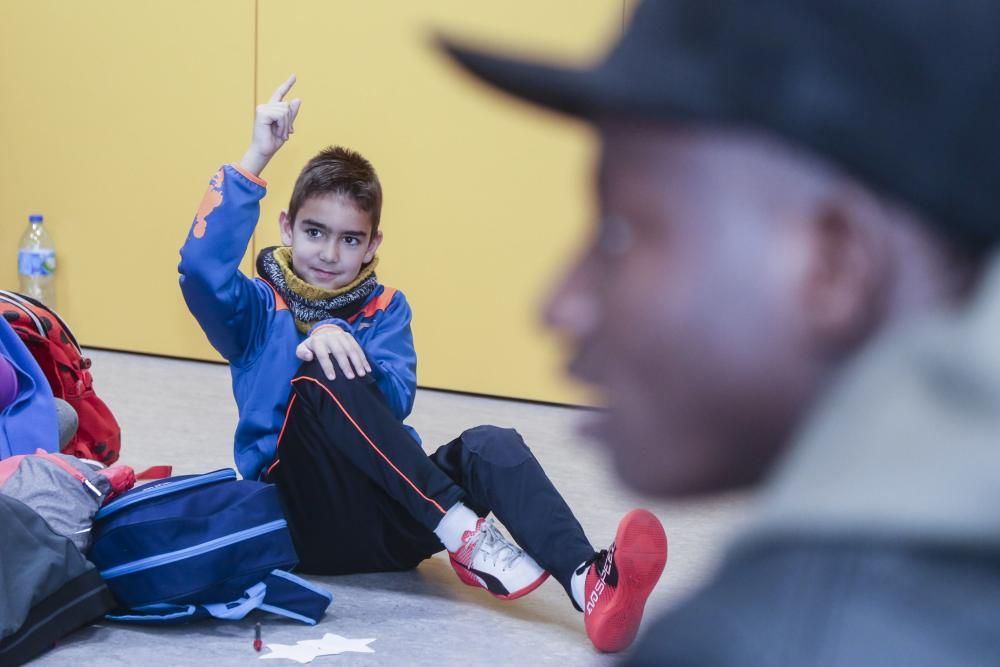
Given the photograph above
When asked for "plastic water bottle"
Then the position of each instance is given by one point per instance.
(36, 263)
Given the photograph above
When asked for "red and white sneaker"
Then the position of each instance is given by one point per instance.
(488, 560)
(621, 578)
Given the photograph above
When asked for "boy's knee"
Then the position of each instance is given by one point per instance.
(500, 446)
(311, 369)
(340, 383)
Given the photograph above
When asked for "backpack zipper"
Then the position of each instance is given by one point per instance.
(8, 297)
(80, 477)
(18, 300)
(162, 489)
(160, 560)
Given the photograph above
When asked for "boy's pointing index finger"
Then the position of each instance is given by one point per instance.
(283, 89)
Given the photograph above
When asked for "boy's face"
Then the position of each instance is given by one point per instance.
(330, 239)
(687, 310)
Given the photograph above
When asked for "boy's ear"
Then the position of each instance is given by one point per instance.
(285, 227)
(373, 246)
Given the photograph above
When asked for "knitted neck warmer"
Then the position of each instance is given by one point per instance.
(310, 304)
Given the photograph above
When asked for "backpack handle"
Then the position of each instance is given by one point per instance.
(237, 609)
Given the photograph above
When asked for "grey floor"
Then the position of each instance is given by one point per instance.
(182, 413)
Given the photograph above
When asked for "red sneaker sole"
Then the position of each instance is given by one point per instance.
(470, 579)
(640, 556)
(527, 589)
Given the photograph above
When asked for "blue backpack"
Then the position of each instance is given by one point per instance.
(196, 546)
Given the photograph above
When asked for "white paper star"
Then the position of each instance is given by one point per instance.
(309, 649)
(298, 653)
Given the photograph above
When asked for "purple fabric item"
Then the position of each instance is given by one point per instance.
(8, 382)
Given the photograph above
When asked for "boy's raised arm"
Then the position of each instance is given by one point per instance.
(231, 308)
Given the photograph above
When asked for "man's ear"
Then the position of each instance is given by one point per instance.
(373, 245)
(845, 285)
(285, 227)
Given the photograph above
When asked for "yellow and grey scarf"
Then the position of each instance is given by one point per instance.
(310, 304)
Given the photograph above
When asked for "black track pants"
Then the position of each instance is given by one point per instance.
(362, 496)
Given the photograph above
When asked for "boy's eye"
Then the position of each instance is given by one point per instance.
(313, 233)
(351, 240)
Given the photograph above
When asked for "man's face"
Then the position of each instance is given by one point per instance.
(331, 240)
(685, 310)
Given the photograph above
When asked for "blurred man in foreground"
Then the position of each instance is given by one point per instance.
(793, 277)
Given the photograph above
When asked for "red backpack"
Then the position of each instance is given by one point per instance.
(57, 352)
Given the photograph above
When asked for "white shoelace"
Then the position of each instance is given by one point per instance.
(490, 536)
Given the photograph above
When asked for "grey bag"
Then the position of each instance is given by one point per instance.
(63, 490)
(47, 588)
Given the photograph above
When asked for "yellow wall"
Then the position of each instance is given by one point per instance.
(125, 108)
(114, 115)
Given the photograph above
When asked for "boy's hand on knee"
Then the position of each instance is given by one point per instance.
(329, 343)
(273, 124)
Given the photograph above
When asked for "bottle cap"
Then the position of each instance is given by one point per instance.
(35, 218)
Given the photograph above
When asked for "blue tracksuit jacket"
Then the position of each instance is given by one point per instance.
(29, 422)
(252, 328)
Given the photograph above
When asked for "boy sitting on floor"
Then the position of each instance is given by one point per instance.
(360, 493)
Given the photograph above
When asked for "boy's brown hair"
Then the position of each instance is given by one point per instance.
(339, 170)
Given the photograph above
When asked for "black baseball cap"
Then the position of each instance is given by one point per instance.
(903, 94)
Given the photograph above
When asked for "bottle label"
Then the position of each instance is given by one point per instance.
(41, 262)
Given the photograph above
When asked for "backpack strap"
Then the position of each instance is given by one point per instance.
(294, 597)
(166, 613)
(159, 614)
(280, 593)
